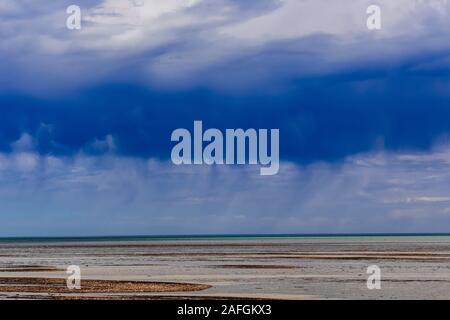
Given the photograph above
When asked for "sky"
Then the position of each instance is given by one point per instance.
(87, 115)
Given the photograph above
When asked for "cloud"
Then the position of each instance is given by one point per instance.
(431, 199)
(108, 194)
(187, 43)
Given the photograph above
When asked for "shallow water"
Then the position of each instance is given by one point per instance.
(332, 267)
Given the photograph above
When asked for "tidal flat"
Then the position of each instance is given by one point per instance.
(412, 267)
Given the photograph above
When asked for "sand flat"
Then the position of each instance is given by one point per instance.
(292, 268)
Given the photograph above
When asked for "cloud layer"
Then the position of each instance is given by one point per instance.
(138, 70)
(91, 195)
(224, 44)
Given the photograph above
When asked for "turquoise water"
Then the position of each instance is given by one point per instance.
(219, 237)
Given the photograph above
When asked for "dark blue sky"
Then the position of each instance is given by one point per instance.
(323, 118)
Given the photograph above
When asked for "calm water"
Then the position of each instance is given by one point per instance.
(414, 266)
(354, 237)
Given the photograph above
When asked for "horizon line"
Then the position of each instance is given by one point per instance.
(227, 235)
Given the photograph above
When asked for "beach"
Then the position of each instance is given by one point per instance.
(293, 268)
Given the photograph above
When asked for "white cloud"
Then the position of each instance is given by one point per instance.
(432, 199)
(25, 161)
(25, 142)
(185, 42)
(8, 7)
(346, 19)
(118, 195)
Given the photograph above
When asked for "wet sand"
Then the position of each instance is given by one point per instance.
(287, 268)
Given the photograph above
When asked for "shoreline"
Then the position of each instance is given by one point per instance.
(218, 237)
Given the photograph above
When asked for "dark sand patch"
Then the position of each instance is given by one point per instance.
(255, 266)
(314, 256)
(53, 285)
(366, 257)
(144, 297)
(29, 268)
(303, 254)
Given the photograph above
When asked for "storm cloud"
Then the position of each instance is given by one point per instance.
(86, 115)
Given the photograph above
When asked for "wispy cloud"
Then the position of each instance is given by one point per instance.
(84, 194)
(187, 42)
